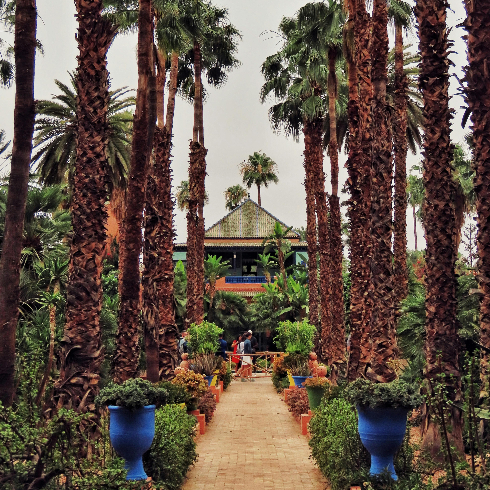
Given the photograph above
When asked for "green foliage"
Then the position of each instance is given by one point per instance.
(203, 338)
(230, 312)
(176, 394)
(173, 449)
(192, 382)
(335, 443)
(180, 295)
(280, 382)
(297, 364)
(132, 394)
(295, 338)
(398, 393)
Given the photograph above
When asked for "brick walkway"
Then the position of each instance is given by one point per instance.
(253, 443)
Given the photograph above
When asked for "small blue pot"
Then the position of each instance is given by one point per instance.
(300, 380)
(131, 433)
(210, 379)
(382, 431)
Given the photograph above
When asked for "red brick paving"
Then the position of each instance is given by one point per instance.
(253, 443)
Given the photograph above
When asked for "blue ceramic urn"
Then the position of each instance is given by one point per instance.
(131, 433)
(382, 431)
(209, 379)
(299, 381)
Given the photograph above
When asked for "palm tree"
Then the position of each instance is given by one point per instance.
(259, 170)
(234, 195)
(266, 264)
(80, 361)
(277, 241)
(400, 14)
(323, 24)
(127, 352)
(213, 270)
(182, 196)
(24, 52)
(442, 345)
(294, 70)
(214, 46)
(7, 68)
(477, 96)
(56, 135)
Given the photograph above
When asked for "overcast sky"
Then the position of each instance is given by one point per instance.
(236, 123)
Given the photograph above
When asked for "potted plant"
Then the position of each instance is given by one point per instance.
(203, 342)
(194, 384)
(296, 339)
(315, 387)
(382, 410)
(132, 420)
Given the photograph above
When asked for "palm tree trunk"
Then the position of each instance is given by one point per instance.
(360, 201)
(174, 71)
(336, 345)
(400, 150)
(311, 240)
(478, 97)
(195, 219)
(127, 353)
(313, 131)
(161, 78)
(442, 344)
(81, 354)
(382, 327)
(259, 201)
(24, 112)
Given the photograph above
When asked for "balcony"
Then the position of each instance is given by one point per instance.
(246, 280)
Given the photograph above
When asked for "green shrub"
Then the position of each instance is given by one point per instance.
(295, 338)
(173, 449)
(335, 443)
(203, 338)
(176, 393)
(280, 382)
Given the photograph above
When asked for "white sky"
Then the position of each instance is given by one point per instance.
(235, 122)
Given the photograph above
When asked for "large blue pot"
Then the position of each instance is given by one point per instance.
(209, 379)
(300, 380)
(131, 433)
(382, 431)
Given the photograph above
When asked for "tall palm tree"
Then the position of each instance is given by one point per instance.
(81, 354)
(214, 47)
(442, 345)
(294, 77)
(266, 264)
(159, 327)
(55, 139)
(127, 351)
(234, 195)
(24, 53)
(259, 170)
(323, 23)
(382, 319)
(182, 196)
(400, 14)
(477, 96)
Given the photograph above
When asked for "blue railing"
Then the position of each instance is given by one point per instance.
(245, 280)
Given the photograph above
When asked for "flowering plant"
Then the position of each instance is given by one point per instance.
(192, 382)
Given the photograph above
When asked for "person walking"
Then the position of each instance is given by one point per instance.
(223, 345)
(247, 358)
(235, 358)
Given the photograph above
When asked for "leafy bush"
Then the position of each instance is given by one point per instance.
(207, 405)
(205, 364)
(132, 394)
(173, 449)
(280, 382)
(176, 393)
(295, 338)
(298, 402)
(192, 382)
(297, 364)
(225, 374)
(203, 338)
(398, 393)
(335, 443)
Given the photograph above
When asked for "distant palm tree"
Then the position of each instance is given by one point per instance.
(278, 242)
(213, 270)
(182, 196)
(266, 263)
(259, 170)
(234, 195)
(55, 138)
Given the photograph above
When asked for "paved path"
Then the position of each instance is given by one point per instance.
(253, 443)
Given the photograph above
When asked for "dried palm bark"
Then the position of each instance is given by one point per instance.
(336, 348)
(313, 132)
(24, 113)
(360, 201)
(382, 320)
(442, 345)
(81, 353)
(311, 239)
(127, 351)
(478, 99)
(400, 150)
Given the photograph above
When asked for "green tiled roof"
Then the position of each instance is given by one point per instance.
(249, 220)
